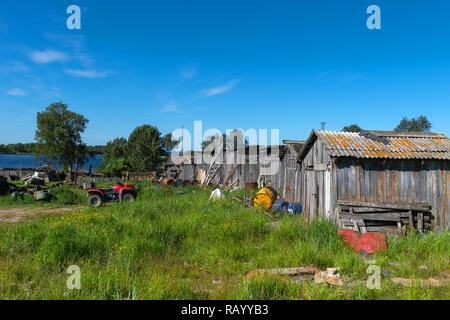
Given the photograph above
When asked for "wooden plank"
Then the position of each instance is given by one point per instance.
(395, 216)
(231, 174)
(414, 207)
(387, 229)
(365, 210)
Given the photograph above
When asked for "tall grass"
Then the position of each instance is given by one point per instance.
(173, 243)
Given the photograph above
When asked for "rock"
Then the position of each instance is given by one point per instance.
(330, 276)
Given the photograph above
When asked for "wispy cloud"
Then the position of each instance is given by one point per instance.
(48, 56)
(73, 43)
(13, 67)
(90, 74)
(188, 73)
(171, 107)
(17, 92)
(44, 90)
(220, 89)
(18, 67)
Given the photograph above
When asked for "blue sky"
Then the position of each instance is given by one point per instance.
(285, 65)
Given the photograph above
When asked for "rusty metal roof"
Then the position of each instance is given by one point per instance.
(383, 144)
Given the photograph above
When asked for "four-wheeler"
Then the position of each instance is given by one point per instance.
(117, 193)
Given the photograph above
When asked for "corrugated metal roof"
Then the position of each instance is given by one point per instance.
(385, 144)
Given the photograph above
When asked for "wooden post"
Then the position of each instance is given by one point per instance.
(420, 221)
(411, 219)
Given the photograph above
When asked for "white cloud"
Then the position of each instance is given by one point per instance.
(48, 56)
(171, 107)
(91, 74)
(220, 89)
(17, 92)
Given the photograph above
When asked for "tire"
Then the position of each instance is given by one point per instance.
(128, 197)
(95, 201)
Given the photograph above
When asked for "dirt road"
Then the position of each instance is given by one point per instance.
(18, 215)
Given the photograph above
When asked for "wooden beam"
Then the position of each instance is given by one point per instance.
(414, 207)
(411, 220)
(394, 216)
(420, 221)
(231, 174)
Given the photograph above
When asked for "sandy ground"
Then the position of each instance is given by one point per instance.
(18, 215)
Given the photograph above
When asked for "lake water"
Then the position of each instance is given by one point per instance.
(28, 161)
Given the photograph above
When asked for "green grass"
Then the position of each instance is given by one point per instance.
(174, 244)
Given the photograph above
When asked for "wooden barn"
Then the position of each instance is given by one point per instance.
(377, 180)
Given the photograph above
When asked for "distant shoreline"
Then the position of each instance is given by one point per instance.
(17, 154)
(33, 154)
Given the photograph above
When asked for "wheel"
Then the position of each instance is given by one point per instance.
(128, 197)
(95, 201)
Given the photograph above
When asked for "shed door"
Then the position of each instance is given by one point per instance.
(289, 191)
(291, 171)
(309, 193)
(317, 191)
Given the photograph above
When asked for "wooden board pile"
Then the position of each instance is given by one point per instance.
(387, 218)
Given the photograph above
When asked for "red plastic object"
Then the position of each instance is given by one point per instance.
(371, 242)
(351, 237)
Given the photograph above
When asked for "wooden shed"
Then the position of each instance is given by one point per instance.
(235, 168)
(377, 180)
(288, 180)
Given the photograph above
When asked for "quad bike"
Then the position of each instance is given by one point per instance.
(117, 193)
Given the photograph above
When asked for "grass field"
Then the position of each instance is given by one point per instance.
(172, 243)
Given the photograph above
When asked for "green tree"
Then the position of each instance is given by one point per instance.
(115, 158)
(421, 124)
(168, 144)
(146, 151)
(352, 128)
(231, 142)
(58, 135)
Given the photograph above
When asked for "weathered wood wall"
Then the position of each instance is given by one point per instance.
(396, 182)
(287, 179)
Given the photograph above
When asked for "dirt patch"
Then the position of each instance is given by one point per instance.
(20, 215)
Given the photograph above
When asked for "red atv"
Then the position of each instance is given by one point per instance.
(117, 193)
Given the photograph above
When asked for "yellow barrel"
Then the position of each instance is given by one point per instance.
(265, 198)
(167, 182)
